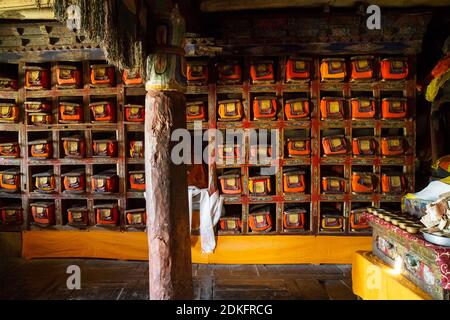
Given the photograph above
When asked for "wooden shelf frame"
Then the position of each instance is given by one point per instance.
(314, 90)
(119, 93)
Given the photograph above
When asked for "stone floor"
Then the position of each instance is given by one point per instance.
(112, 279)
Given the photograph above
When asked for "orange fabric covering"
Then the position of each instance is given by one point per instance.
(441, 67)
(290, 249)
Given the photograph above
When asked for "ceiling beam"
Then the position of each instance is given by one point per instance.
(52, 55)
(236, 5)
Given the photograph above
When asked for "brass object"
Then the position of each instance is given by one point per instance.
(413, 228)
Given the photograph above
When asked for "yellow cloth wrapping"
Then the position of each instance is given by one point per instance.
(434, 86)
(374, 280)
(289, 249)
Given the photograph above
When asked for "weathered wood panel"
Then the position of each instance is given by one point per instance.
(38, 42)
(235, 5)
(337, 33)
(52, 55)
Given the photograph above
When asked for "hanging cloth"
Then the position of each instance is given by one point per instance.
(210, 211)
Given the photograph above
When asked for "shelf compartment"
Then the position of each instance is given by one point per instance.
(296, 218)
(135, 91)
(296, 124)
(197, 90)
(10, 162)
(9, 94)
(297, 197)
(232, 211)
(269, 217)
(15, 195)
(135, 195)
(229, 199)
(312, 90)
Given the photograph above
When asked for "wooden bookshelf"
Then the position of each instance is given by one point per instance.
(120, 94)
(313, 199)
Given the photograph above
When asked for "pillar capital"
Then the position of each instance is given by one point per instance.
(166, 63)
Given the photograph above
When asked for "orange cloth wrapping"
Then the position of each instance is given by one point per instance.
(441, 67)
(374, 280)
(281, 249)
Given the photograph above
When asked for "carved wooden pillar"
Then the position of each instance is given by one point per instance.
(170, 271)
